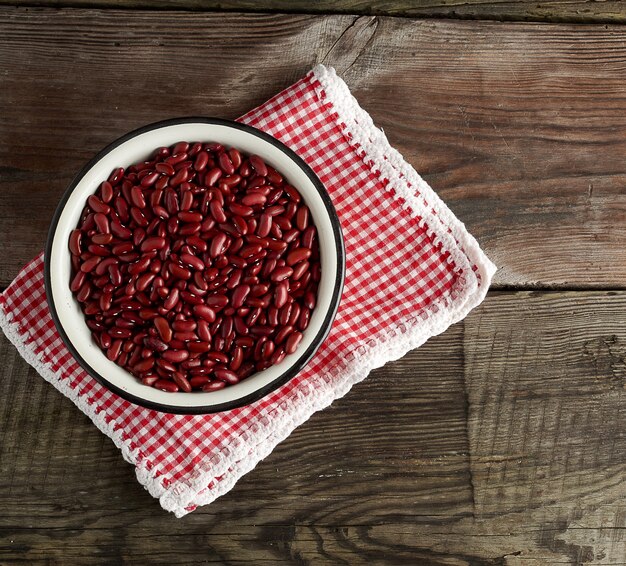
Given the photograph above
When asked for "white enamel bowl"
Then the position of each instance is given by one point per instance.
(137, 146)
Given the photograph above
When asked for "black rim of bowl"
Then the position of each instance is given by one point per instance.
(304, 357)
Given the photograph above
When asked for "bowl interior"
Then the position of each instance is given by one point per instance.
(138, 146)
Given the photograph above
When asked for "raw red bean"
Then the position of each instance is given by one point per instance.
(302, 217)
(225, 163)
(184, 325)
(97, 205)
(308, 236)
(283, 333)
(90, 264)
(217, 301)
(293, 341)
(240, 209)
(120, 231)
(213, 176)
(258, 165)
(298, 255)
(281, 294)
(181, 381)
(175, 356)
(239, 295)
(153, 243)
(310, 299)
(102, 222)
(226, 375)
(165, 385)
(205, 312)
(299, 270)
(102, 239)
(165, 169)
(149, 379)
(179, 272)
(197, 381)
(217, 244)
(304, 319)
(138, 216)
(192, 261)
(264, 226)
(281, 273)
(253, 199)
(75, 239)
(163, 328)
(106, 192)
(214, 386)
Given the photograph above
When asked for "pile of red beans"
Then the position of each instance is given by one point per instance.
(197, 268)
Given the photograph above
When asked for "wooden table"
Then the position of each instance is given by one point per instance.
(502, 441)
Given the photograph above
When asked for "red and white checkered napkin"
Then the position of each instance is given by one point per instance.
(412, 270)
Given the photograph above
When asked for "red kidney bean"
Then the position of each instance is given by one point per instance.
(175, 356)
(77, 281)
(310, 299)
(239, 295)
(253, 199)
(205, 312)
(163, 328)
(179, 272)
(225, 163)
(102, 239)
(281, 273)
(281, 294)
(97, 205)
(90, 264)
(293, 341)
(102, 222)
(165, 385)
(120, 231)
(298, 255)
(282, 334)
(214, 386)
(302, 217)
(258, 165)
(138, 216)
(201, 161)
(192, 261)
(165, 169)
(213, 176)
(227, 376)
(235, 157)
(197, 381)
(217, 244)
(136, 194)
(153, 243)
(106, 192)
(181, 381)
(75, 239)
(264, 226)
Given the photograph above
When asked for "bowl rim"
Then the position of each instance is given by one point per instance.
(304, 357)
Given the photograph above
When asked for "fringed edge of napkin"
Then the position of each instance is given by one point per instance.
(247, 450)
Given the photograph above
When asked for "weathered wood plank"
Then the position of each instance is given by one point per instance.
(383, 476)
(546, 382)
(64, 487)
(524, 10)
(520, 127)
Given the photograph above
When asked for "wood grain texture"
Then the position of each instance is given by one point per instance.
(394, 451)
(512, 10)
(521, 128)
(388, 475)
